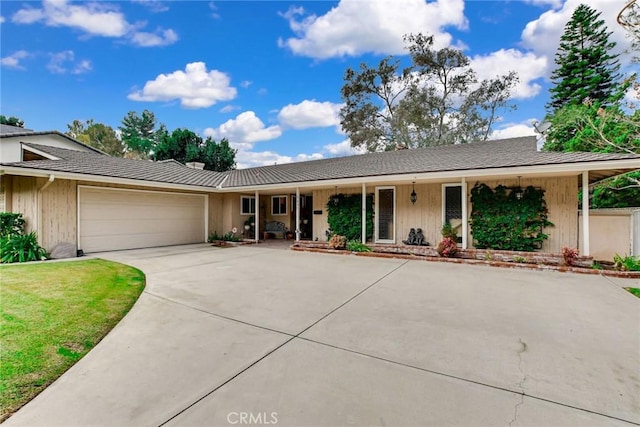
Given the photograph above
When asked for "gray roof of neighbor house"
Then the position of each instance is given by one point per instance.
(87, 163)
(514, 152)
(13, 132)
(8, 130)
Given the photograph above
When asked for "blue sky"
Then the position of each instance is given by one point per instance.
(265, 74)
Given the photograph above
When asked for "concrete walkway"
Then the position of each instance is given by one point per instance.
(260, 336)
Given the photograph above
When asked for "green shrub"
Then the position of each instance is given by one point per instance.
(21, 248)
(344, 215)
(626, 263)
(499, 220)
(11, 223)
(448, 231)
(229, 237)
(357, 246)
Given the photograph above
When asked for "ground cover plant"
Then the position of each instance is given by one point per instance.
(635, 291)
(51, 315)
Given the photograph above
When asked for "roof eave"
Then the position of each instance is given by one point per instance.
(24, 171)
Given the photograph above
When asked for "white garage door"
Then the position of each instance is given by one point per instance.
(113, 219)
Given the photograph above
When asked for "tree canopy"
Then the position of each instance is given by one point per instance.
(186, 146)
(139, 133)
(436, 100)
(12, 121)
(587, 67)
(97, 135)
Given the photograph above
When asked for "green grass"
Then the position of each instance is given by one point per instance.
(52, 314)
(635, 291)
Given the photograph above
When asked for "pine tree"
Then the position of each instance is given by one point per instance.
(587, 67)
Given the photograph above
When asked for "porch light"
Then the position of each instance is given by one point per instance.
(414, 196)
(519, 192)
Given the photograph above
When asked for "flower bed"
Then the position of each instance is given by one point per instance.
(505, 259)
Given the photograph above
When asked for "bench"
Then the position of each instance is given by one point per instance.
(275, 227)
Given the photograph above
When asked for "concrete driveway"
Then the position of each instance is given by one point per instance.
(260, 336)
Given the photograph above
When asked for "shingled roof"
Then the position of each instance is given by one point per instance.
(514, 152)
(88, 163)
(506, 153)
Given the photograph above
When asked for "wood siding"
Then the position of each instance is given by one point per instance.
(5, 193)
(561, 195)
(24, 200)
(58, 207)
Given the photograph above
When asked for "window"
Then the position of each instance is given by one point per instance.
(279, 205)
(247, 205)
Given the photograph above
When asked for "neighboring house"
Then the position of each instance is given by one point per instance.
(69, 192)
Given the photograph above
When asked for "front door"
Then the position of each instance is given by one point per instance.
(385, 214)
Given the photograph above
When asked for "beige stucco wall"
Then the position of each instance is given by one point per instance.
(609, 233)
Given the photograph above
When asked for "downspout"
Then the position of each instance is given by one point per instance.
(39, 206)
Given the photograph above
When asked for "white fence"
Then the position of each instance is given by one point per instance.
(612, 231)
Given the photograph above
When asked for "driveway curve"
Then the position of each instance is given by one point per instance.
(263, 336)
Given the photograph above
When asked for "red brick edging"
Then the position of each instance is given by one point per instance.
(501, 264)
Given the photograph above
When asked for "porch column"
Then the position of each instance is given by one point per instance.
(585, 213)
(364, 213)
(256, 229)
(465, 219)
(297, 214)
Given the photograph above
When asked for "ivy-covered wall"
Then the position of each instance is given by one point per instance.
(508, 218)
(344, 214)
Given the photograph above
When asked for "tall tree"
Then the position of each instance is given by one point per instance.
(97, 135)
(12, 121)
(587, 67)
(437, 100)
(218, 156)
(185, 146)
(139, 133)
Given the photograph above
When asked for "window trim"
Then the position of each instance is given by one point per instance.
(242, 212)
(286, 205)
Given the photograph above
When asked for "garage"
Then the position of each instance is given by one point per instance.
(114, 219)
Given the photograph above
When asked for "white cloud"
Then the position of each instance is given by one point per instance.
(159, 38)
(245, 128)
(553, 3)
(64, 62)
(513, 130)
(248, 159)
(13, 60)
(2, 19)
(341, 149)
(542, 35)
(246, 83)
(528, 66)
(94, 19)
(310, 114)
(355, 27)
(195, 87)
(156, 6)
(229, 108)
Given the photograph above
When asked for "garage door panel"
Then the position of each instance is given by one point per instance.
(111, 219)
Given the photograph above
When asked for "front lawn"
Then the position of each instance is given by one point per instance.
(51, 315)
